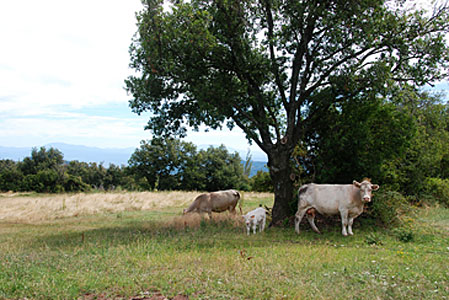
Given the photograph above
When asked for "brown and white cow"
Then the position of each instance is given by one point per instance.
(331, 199)
(215, 202)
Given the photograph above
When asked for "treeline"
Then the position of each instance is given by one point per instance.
(45, 171)
(159, 164)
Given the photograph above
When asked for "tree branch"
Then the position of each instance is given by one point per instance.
(275, 66)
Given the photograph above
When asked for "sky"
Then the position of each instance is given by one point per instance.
(62, 71)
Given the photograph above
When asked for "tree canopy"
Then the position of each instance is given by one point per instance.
(272, 67)
(172, 164)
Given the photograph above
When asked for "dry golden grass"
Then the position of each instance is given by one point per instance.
(193, 220)
(25, 208)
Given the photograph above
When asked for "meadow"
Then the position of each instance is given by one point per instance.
(139, 246)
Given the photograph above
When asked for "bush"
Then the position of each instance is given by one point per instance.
(261, 182)
(437, 188)
(386, 207)
(373, 239)
(10, 179)
(404, 234)
(75, 184)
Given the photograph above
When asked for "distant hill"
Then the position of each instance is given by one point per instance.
(116, 156)
(255, 155)
(14, 153)
(257, 166)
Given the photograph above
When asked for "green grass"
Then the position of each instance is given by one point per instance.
(136, 253)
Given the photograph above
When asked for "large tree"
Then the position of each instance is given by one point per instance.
(262, 65)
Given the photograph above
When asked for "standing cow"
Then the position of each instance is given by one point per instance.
(215, 202)
(331, 199)
(256, 217)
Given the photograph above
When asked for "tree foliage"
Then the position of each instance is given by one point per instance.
(265, 66)
(354, 139)
(261, 182)
(45, 171)
(428, 153)
(221, 169)
(159, 164)
(172, 164)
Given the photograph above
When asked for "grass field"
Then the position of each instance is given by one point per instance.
(138, 246)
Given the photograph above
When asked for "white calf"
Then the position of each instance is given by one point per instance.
(254, 218)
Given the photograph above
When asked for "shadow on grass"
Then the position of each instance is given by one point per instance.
(224, 232)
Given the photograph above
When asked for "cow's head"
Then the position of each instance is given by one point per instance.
(366, 187)
(249, 219)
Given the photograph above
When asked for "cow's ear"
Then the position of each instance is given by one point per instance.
(375, 187)
(357, 184)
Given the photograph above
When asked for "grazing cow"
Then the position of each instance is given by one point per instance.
(215, 202)
(331, 199)
(254, 218)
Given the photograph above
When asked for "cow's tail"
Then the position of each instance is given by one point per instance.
(302, 190)
(240, 202)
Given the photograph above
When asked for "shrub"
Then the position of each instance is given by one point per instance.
(75, 184)
(261, 182)
(386, 207)
(439, 190)
(373, 239)
(10, 179)
(404, 234)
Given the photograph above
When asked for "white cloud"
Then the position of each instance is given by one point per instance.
(60, 52)
(58, 57)
(96, 131)
(236, 138)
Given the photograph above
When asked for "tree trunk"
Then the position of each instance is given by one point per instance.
(280, 171)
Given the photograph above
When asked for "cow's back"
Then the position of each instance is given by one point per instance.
(327, 199)
(200, 204)
(260, 211)
(223, 200)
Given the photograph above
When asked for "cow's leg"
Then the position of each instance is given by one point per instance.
(350, 221)
(344, 221)
(298, 217)
(311, 219)
(248, 229)
(254, 227)
(263, 224)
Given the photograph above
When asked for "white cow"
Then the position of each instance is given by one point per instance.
(215, 202)
(254, 218)
(331, 199)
